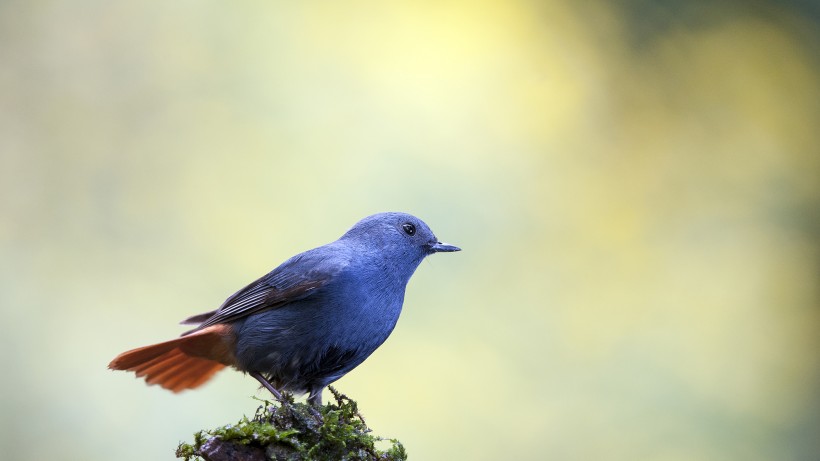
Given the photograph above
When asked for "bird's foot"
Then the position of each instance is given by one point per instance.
(316, 414)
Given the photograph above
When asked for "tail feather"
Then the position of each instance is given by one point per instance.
(193, 377)
(182, 363)
(174, 364)
(157, 364)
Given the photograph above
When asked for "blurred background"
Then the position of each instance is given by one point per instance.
(634, 184)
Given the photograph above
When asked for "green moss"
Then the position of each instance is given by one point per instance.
(291, 431)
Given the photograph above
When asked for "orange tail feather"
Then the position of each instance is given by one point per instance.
(183, 363)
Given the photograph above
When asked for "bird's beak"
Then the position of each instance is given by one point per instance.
(439, 247)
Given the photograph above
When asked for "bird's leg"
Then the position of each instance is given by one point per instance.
(268, 386)
(315, 398)
(258, 376)
(315, 402)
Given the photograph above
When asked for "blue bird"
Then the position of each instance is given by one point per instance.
(305, 324)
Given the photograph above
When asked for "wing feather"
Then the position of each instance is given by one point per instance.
(295, 279)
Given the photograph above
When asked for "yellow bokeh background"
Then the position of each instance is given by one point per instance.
(634, 185)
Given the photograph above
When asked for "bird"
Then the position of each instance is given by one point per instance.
(306, 323)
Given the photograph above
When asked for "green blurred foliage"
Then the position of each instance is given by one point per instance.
(634, 185)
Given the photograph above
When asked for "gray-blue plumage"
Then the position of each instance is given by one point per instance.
(321, 313)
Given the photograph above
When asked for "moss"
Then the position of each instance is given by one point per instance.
(292, 431)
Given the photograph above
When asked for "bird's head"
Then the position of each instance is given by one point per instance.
(398, 236)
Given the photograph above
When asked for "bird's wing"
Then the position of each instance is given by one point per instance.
(296, 279)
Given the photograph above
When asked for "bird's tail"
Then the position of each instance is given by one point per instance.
(183, 363)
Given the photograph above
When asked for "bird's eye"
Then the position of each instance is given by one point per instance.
(409, 229)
